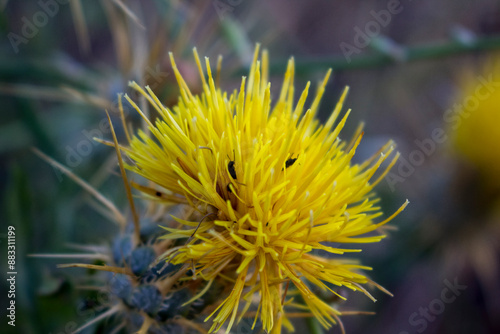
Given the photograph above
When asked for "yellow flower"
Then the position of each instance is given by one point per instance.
(474, 130)
(273, 188)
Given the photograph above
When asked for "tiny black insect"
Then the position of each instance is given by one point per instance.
(230, 166)
(290, 162)
(158, 194)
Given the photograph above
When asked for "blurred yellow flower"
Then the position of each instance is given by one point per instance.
(476, 136)
(273, 188)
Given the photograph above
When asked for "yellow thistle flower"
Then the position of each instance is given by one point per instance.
(474, 128)
(273, 187)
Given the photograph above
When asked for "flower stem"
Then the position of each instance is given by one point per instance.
(383, 57)
(314, 326)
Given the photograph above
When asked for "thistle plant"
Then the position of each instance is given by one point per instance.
(471, 229)
(247, 207)
(139, 291)
(473, 127)
(269, 190)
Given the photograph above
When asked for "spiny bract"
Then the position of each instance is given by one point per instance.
(273, 189)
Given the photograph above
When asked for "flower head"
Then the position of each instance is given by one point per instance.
(270, 189)
(474, 129)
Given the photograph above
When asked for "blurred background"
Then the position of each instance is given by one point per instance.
(424, 73)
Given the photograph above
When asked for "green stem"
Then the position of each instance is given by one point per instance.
(314, 326)
(376, 59)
